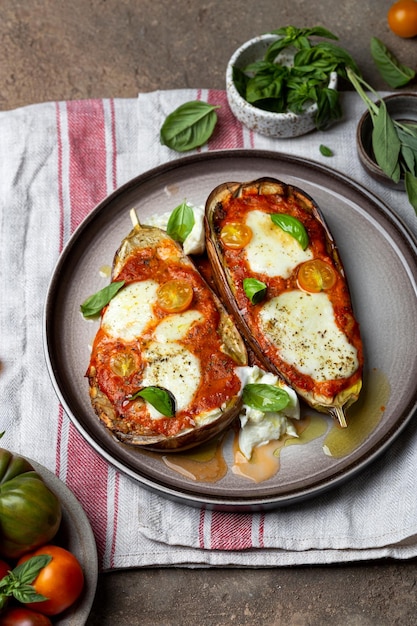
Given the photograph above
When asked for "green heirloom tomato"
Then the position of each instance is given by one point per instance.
(30, 513)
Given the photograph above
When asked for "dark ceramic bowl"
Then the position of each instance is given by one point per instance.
(401, 106)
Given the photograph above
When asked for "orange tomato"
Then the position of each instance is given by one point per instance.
(61, 581)
(235, 235)
(402, 18)
(175, 296)
(316, 275)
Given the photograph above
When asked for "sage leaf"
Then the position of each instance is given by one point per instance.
(265, 397)
(292, 226)
(254, 289)
(409, 157)
(411, 189)
(161, 399)
(391, 69)
(385, 142)
(189, 126)
(93, 305)
(181, 222)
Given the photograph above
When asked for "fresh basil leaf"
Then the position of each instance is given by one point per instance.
(27, 593)
(254, 289)
(265, 397)
(391, 69)
(240, 80)
(94, 304)
(292, 226)
(325, 151)
(411, 189)
(17, 582)
(161, 399)
(181, 222)
(328, 108)
(385, 142)
(189, 126)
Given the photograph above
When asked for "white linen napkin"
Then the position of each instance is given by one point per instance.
(57, 161)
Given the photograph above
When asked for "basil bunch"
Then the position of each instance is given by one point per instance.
(394, 143)
(269, 85)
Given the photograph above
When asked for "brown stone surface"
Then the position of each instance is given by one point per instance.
(57, 50)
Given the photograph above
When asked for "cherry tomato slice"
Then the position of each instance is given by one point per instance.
(402, 18)
(316, 275)
(123, 364)
(175, 296)
(235, 235)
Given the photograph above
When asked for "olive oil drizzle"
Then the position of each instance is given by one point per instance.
(207, 463)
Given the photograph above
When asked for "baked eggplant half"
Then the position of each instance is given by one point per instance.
(277, 267)
(163, 367)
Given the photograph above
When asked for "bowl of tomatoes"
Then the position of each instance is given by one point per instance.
(60, 563)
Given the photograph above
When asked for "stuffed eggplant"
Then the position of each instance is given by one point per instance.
(277, 266)
(163, 367)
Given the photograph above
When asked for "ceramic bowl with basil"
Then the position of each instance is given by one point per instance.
(284, 84)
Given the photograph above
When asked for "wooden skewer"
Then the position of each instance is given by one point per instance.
(134, 217)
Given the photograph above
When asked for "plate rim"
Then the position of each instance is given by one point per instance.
(231, 503)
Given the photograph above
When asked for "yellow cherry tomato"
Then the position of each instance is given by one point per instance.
(235, 235)
(175, 296)
(123, 364)
(402, 18)
(316, 275)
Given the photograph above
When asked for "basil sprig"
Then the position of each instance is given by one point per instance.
(271, 86)
(181, 222)
(265, 397)
(292, 226)
(391, 69)
(161, 399)
(17, 582)
(254, 289)
(93, 305)
(394, 143)
(189, 126)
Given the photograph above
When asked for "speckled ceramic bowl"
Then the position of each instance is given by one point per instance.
(400, 106)
(278, 125)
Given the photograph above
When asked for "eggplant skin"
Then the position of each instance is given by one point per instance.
(130, 431)
(215, 211)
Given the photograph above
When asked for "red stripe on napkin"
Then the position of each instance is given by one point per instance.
(87, 474)
(228, 133)
(230, 531)
(87, 166)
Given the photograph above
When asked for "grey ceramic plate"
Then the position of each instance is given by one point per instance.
(380, 259)
(75, 535)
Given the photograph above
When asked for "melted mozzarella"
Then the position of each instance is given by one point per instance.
(257, 427)
(130, 311)
(171, 366)
(303, 327)
(271, 250)
(175, 327)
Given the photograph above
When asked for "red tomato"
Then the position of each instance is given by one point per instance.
(61, 581)
(402, 18)
(4, 569)
(20, 616)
